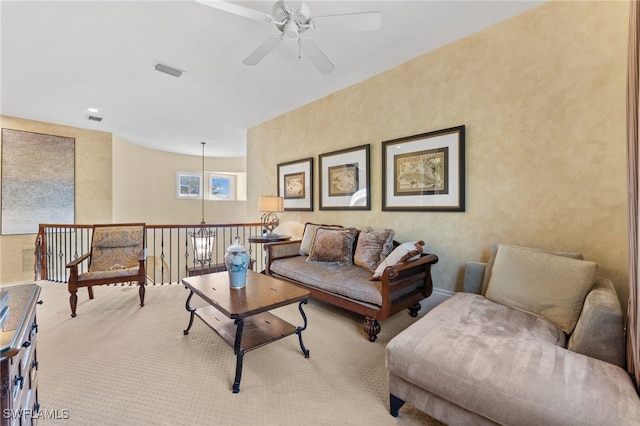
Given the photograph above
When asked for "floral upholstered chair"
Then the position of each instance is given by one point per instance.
(117, 255)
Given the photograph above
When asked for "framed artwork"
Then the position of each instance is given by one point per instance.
(38, 180)
(189, 185)
(222, 186)
(425, 172)
(295, 184)
(344, 179)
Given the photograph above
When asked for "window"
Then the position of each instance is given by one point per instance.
(188, 185)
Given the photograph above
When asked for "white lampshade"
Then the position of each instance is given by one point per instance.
(271, 204)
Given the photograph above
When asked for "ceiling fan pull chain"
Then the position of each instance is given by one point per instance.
(299, 49)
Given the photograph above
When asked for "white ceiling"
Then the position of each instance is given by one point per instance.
(60, 58)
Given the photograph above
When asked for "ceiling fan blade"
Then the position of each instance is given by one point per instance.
(263, 50)
(366, 21)
(237, 10)
(317, 57)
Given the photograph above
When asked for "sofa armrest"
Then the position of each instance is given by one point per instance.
(280, 250)
(473, 277)
(396, 279)
(393, 271)
(599, 332)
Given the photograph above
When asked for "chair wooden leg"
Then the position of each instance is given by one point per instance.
(90, 292)
(141, 291)
(73, 301)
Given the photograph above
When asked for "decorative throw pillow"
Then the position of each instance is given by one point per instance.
(373, 247)
(492, 257)
(403, 253)
(547, 285)
(309, 234)
(333, 245)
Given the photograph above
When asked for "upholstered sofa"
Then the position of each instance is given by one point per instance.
(364, 271)
(543, 344)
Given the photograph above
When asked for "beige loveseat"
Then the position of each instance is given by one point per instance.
(364, 271)
(544, 347)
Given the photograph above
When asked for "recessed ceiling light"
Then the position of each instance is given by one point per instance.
(167, 69)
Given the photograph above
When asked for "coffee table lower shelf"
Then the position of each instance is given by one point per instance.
(257, 330)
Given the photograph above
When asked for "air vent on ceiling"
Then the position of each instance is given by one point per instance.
(168, 70)
(94, 118)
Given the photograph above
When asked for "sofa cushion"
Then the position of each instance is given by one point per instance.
(348, 281)
(403, 253)
(507, 366)
(492, 257)
(553, 287)
(333, 245)
(309, 234)
(373, 247)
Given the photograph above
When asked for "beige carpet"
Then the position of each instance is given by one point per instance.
(119, 364)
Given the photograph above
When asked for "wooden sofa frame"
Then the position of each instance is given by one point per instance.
(394, 279)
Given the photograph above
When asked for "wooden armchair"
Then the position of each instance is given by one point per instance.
(117, 255)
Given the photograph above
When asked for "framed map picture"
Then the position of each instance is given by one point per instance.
(344, 179)
(425, 172)
(295, 184)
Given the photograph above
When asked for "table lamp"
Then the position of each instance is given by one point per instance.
(269, 205)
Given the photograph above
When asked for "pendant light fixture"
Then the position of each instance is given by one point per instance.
(203, 238)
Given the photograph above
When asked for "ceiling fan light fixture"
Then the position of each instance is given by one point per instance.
(291, 29)
(175, 72)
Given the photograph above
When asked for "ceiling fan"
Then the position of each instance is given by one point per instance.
(293, 19)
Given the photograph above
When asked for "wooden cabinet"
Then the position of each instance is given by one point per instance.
(19, 357)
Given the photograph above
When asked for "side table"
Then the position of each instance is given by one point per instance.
(263, 239)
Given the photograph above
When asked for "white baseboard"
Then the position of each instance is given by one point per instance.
(13, 283)
(437, 297)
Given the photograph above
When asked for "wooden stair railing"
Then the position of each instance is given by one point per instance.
(170, 254)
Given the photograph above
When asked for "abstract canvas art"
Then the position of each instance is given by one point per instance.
(38, 181)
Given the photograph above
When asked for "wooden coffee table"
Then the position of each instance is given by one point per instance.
(240, 316)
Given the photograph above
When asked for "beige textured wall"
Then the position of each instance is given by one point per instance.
(542, 96)
(93, 191)
(144, 185)
(117, 181)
